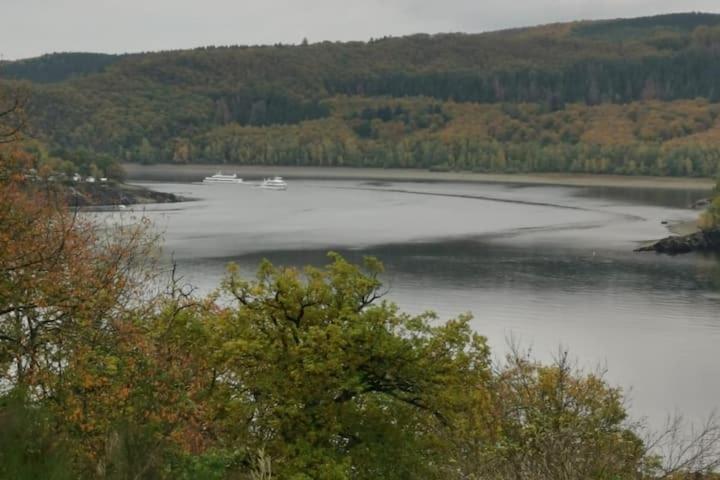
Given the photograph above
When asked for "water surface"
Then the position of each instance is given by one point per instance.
(548, 266)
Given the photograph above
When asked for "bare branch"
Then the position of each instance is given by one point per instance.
(686, 448)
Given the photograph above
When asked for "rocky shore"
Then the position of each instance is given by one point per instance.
(115, 193)
(700, 241)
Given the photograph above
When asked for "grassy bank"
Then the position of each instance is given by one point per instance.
(197, 172)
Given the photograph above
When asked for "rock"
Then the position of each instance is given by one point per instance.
(702, 203)
(115, 193)
(702, 241)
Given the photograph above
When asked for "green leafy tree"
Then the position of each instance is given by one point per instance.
(29, 446)
(554, 421)
(710, 218)
(335, 385)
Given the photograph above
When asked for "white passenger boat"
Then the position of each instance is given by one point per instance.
(220, 178)
(275, 183)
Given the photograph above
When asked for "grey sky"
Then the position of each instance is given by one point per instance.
(33, 27)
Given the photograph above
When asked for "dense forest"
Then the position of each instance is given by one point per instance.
(634, 96)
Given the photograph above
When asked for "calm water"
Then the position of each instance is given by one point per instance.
(547, 266)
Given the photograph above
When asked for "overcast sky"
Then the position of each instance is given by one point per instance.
(33, 27)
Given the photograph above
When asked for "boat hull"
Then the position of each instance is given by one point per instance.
(276, 183)
(228, 181)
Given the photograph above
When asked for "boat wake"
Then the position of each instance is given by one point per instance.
(624, 216)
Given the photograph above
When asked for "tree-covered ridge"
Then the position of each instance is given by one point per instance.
(583, 88)
(309, 65)
(652, 138)
(58, 67)
(632, 28)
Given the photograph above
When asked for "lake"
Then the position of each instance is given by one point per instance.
(546, 266)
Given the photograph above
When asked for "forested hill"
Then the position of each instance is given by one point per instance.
(621, 96)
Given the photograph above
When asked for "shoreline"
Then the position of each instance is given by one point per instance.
(115, 194)
(683, 228)
(195, 172)
(676, 229)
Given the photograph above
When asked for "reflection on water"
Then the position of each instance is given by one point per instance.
(666, 197)
(548, 265)
(474, 264)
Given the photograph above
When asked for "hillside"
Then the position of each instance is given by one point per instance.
(616, 96)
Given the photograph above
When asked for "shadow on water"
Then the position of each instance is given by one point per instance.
(468, 263)
(663, 197)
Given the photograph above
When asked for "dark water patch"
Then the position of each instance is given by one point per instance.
(469, 197)
(664, 197)
(470, 262)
